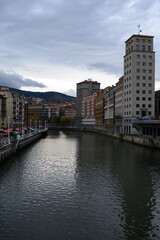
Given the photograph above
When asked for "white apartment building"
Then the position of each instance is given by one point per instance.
(139, 80)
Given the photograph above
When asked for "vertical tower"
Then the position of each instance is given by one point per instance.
(139, 80)
(85, 88)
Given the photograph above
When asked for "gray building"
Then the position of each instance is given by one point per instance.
(139, 80)
(85, 88)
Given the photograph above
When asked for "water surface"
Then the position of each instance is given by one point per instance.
(80, 186)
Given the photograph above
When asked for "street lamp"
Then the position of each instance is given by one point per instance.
(8, 129)
(22, 127)
(30, 126)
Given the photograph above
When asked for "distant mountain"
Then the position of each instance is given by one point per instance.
(54, 96)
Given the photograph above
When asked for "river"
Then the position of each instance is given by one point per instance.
(80, 186)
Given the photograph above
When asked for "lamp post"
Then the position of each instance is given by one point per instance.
(22, 127)
(30, 126)
(8, 129)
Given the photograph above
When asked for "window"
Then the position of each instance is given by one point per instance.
(150, 57)
(149, 64)
(138, 84)
(149, 105)
(149, 78)
(137, 47)
(143, 40)
(149, 85)
(137, 39)
(143, 91)
(137, 105)
(143, 99)
(149, 113)
(149, 91)
(143, 84)
(149, 99)
(137, 91)
(143, 105)
(143, 47)
(150, 71)
(149, 41)
(144, 63)
(138, 70)
(143, 70)
(138, 56)
(149, 48)
(138, 77)
(137, 112)
(137, 98)
(138, 63)
(144, 56)
(144, 78)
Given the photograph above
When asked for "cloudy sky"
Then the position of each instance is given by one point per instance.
(50, 45)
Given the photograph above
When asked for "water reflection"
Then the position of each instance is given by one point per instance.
(74, 185)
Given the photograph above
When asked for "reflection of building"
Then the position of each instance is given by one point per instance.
(84, 89)
(139, 77)
(88, 109)
(157, 104)
(109, 107)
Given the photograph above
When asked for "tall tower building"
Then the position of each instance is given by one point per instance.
(139, 80)
(85, 88)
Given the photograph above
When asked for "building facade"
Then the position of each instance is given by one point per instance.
(119, 106)
(157, 104)
(99, 108)
(109, 108)
(88, 109)
(85, 88)
(139, 80)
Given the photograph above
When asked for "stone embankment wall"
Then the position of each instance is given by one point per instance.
(140, 140)
(7, 150)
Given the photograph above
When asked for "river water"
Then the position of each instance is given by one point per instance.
(80, 186)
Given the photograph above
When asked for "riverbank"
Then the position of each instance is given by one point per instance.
(16, 145)
(135, 139)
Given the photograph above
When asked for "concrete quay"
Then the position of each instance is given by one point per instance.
(135, 139)
(16, 145)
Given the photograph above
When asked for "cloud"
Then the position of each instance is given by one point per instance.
(14, 80)
(105, 67)
(82, 34)
(71, 92)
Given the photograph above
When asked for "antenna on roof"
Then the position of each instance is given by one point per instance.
(139, 30)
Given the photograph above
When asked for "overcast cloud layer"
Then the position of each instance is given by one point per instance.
(59, 43)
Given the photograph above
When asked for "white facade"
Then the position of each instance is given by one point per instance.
(139, 80)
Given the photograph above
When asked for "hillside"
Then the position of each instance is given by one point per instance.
(54, 96)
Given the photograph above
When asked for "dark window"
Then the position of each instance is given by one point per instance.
(137, 98)
(137, 112)
(144, 78)
(137, 105)
(138, 63)
(143, 84)
(143, 47)
(143, 105)
(143, 91)
(144, 56)
(149, 48)
(138, 56)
